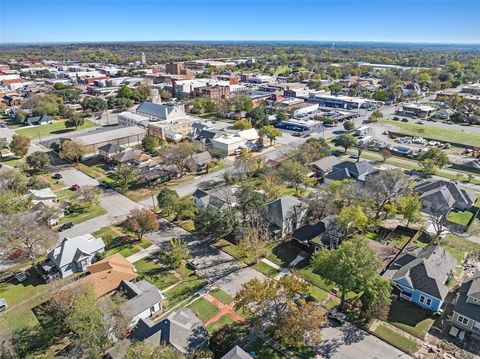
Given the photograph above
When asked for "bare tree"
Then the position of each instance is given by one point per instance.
(179, 156)
(386, 186)
(22, 231)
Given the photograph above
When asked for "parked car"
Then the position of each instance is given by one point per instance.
(104, 184)
(57, 176)
(419, 122)
(65, 226)
(20, 276)
(3, 304)
(75, 187)
(336, 315)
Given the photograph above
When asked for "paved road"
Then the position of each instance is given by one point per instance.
(350, 342)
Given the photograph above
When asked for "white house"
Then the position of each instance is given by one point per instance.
(76, 254)
(44, 195)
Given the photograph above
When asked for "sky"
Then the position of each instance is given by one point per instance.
(436, 21)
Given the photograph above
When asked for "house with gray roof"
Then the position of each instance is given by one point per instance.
(286, 214)
(445, 195)
(323, 234)
(75, 254)
(198, 161)
(39, 120)
(143, 300)
(466, 313)
(219, 197)
(358, 171)
(421, 274)
(324, 165)
(237, 353)
(181, 329)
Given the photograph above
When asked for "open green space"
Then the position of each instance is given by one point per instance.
(462, 218)
(410, 318)
(55, 128)
(439, 133)
(266, 269)
(317, 293)
(282, 253)
(203, 309)
(459, 247)
(89, 212)
(184, 290)
(14, 292)
(161, 277)
(221, 295)
(396, 339)
(220, 323)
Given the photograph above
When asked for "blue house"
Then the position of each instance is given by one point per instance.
(420, 274)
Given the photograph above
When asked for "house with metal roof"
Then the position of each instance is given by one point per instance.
(421, 274)
(75, 254)
(466, 313)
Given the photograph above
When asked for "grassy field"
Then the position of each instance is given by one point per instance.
(396, 339)
(220, 323)
(462, 218)
(222, 296)
(439, 133)
(203, 309)
(90, 212)
(151, 271)
(307, 273)
(458, 247)
(266, 269)
(55, 128)
(410, 318)
(184, 290)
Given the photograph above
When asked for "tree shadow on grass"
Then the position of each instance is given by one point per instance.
(64, 130)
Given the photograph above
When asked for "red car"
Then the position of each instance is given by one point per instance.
(75, 187)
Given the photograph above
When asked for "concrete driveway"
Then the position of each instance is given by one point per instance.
(71, 176)
(349, 342)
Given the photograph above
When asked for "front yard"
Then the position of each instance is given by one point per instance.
(458, 247)
(203, 309)
(118, 242)
(160, 277)
(266, 269)
(396, 339)
(410, 318)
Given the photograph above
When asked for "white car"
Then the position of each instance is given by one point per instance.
(3, 305)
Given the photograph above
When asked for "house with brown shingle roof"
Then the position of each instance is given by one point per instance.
(107, 274)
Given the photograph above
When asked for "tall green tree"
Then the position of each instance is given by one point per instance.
(175, 255)
(410, 208)
(346, 141)
(350, 267)
(270, 132)
(74, 121)
(39, 161)
(293, 172)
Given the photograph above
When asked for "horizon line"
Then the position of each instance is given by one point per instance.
(227, 41)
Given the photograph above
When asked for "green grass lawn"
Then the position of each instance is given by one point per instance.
(398, 241)
(410, 318)
(266, 269)
(396, 339)
(438, 133)
(203, 309)
(14, 292)
(220, 323)
(459, 247)
(222, 296)
(55, 128)
(332, 303)
(231, 249)
(282, 253)
(90, 212)
(184, 290)
(106, 233)
(462, 218)
(262, 350)
(306, 272)
(317, 293)
(151, 271)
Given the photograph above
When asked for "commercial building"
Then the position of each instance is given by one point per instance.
(346, 102)
(132, 119)
(417, 110)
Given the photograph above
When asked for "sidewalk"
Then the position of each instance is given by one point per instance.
(147, 252)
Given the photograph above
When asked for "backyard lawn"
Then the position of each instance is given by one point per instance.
(396, 339)
(162, 278)
(410, 318)
(462, 218)
(55, 128)
(438, 133)
(306, 271)
(261, 349)
(220, 323)
(203, 309)
(266, 269)
(222, 296)
(87, 213)
(458, 247)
